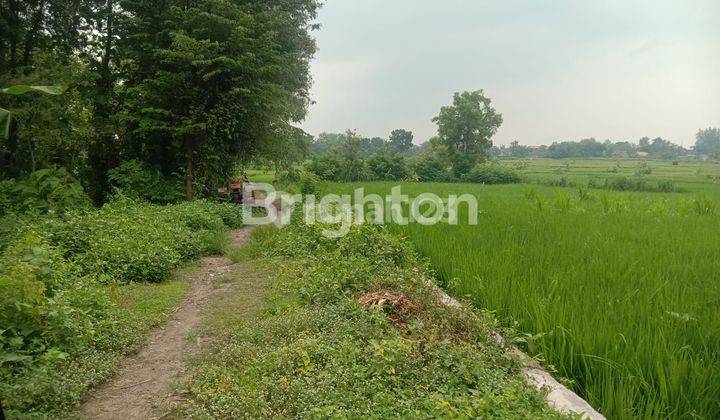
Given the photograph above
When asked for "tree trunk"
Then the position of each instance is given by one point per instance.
(34, 30)
(103, 151)
(14, 28)
(189, 171)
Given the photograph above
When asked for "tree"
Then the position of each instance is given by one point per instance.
(466, 129)
(519, 151)
(401, 140)
(239, 75)
(708, 142)
(186, 87)
(285, 149)
(384, 167)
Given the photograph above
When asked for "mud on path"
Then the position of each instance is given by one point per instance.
(142, 386)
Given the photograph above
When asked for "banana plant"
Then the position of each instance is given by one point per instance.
(5, 115)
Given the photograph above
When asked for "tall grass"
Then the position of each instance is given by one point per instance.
(621, 291)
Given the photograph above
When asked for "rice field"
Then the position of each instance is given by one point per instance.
(691, 176)
(619, 292)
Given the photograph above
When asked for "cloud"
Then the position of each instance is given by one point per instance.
(555, 69)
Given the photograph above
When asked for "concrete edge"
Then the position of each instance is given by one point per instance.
(559, 396)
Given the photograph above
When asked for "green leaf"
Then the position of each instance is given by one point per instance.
(4, 123)
(23, 89)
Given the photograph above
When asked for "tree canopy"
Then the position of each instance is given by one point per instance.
(188, 88)
(466, 128)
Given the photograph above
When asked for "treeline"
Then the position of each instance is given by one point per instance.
(459, 153)
(707, 146)
(184, 88)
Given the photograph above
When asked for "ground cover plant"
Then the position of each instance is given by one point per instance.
(352, 328)
(617, 291)
(75, 293)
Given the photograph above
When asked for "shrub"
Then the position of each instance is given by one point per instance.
(623, 183)
(643, 169)
(137, 180)
(383, 167)
(46, 190)
(290, 174)
(316, 351)
(491, 173)
(309, 183)
(431, 169)
(46, 308)
(129, 241)
(666, 185)
(326, 167)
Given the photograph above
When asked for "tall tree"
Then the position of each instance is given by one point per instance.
(466, 129)
(401, 140)
(708, 142)
(238, 72)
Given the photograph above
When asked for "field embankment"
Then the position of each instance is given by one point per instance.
(353, 328)
(617, 291)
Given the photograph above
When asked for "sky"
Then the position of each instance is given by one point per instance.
(556, 70)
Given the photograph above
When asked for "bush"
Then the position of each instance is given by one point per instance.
(59, 329)
(137, 180)
(431, 169)
(309, 183)
(491, 173)
(47, 190)
(46, 307)
(623, 183)
(383, 167)
(129, 241)
(327, 167)
(643, 169)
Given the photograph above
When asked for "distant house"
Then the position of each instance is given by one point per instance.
(643, 154)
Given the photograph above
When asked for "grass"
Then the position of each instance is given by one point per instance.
(618, 291)
(698, 177)
(314, 351)
(57, 389)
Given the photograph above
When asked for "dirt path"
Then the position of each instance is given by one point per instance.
(141, 389)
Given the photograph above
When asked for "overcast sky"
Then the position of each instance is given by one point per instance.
(556, 70)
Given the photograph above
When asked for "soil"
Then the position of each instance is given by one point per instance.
(143, 385)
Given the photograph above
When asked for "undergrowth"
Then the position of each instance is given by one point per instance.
(65, 316)
(315, 351)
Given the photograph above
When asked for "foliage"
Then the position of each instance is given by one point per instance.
(400, 140)
(186, 88)
(53, 387)
(6, 116)
(383, 167)
(466, 129)
(64, 327)
(315, 352)
(46, 309)
(491, 173)
(309, 183)
(431, 169)
(135, 179)
(708, 142)
(346, 163)
(46, 190)
(128, 241)
(584, 148)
